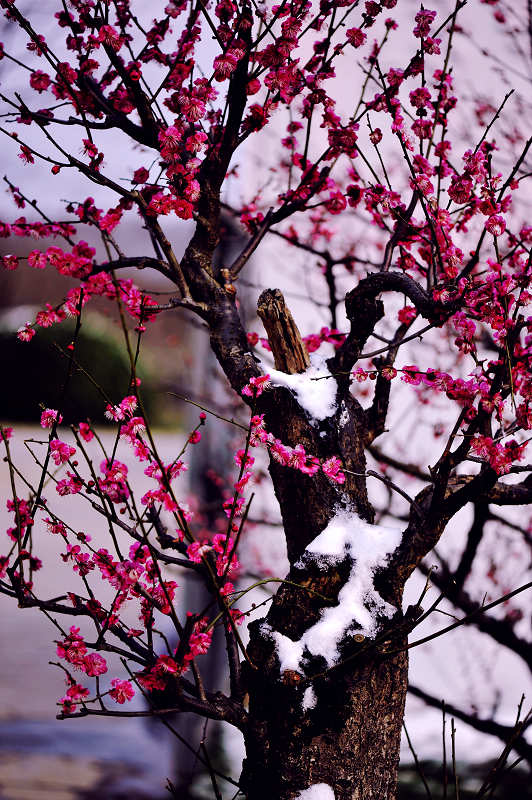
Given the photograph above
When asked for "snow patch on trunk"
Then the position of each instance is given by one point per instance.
(317, 397)
(320, 791)
(359, 604)
(344, 416)
(309, 698)
(290, 653)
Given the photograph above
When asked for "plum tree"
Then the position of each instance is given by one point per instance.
(417, 242)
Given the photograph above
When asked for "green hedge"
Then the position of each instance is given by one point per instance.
(34, 374)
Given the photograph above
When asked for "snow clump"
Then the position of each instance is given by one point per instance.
(320, 791)
(317, 397)
(359, 604)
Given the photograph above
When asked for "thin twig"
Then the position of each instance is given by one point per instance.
(455, 774)
(417, 763)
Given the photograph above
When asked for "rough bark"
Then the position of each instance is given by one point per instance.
(349, 741)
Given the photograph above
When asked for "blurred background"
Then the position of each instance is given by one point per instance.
(42, 758)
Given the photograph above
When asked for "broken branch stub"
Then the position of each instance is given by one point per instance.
(289, 350)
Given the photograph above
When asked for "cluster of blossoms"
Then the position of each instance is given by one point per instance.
(74, 651)
(180, 145)
(106, 221)
(24, 521)
(122, 411)
(164, 478)
(72, 484)
(101, 284)
(114, 483)
(75, 264)
(23, 518)
(474, 395)
(82, 562)
(168, 668)
(22, 228)
(500, 456)
(131, 427)
(135, 577)
(50, 417)
(74, 694)
(61, 452)
(295, 457)
(224, 549)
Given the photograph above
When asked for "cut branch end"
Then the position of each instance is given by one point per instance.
(289, 350)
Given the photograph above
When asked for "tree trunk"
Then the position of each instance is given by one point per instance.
(317, 724)
(348, 741)
(328, 720)
(337, 725)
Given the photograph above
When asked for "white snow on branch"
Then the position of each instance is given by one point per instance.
(290, 653)
(309, 698)
(317, 397)
(344, 416)
(320, 791)
(359, 604)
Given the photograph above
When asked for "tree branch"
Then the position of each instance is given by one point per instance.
(489, 726)
(474, 537)
(375, 416)
(115, 118)
(407, 467)
(401, 229)
(136, 262)
(364, 310)
(217, 706)
(499, 630)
